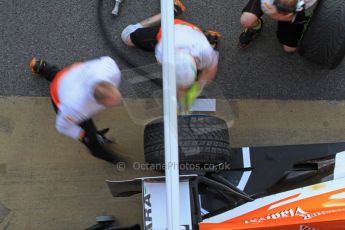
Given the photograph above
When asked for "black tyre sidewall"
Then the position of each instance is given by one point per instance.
(323, 42)
(202, 140)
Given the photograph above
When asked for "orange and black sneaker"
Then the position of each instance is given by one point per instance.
(179, 8)
(250, 34)
(213, 38)
(37, 65)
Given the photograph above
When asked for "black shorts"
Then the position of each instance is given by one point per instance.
(145, 38)
(254, 7)
(288, 33)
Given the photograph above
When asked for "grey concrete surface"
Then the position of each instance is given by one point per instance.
(67, 31)
(48, 181)
(51, 182)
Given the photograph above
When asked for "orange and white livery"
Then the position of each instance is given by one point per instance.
(208, 202)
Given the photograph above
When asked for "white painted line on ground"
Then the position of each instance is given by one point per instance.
(246, 164)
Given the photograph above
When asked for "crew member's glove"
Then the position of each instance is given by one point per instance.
(192, 93)
(213, 38)
(179, 8)
(82, 136)
(101, 136)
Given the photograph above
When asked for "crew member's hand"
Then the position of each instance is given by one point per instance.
(273, 13)
(286, 17)
(101, 136)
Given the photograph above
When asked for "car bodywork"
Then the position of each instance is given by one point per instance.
(319, 206)
(283, 187)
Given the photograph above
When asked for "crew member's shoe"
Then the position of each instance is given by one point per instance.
(179, 8)
(213, 38)
(249, 35)
(37, 65)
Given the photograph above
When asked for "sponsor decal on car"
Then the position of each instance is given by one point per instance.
(291, 213)
(147, 210)
(283, 214)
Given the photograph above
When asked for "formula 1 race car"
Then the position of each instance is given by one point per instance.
(286, 187)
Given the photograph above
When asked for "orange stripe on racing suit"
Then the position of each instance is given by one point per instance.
(178, 22)
(55, 83)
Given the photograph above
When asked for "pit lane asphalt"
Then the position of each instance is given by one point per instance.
(66, 31)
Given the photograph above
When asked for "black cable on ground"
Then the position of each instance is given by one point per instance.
(116, 51)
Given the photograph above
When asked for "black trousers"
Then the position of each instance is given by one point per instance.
(95, 147)
(288, 33)
(146, 38)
